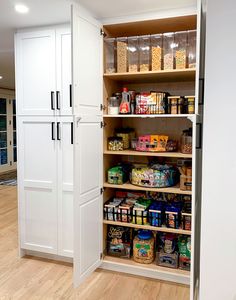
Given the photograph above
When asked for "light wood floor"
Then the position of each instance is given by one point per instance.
(31, 278)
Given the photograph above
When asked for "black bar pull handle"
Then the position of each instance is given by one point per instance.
(58, 131)
(58, 100)
(199, 135)
(53, 130)
(72, 134)
(52, 101)
(70, 87)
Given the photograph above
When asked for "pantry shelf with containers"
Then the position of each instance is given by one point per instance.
(149, 122)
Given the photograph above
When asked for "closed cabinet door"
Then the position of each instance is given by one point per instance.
(36, 72)
(37, 175)
(65, 186)
(63, 63)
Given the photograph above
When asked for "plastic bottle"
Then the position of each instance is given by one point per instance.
(125, 102)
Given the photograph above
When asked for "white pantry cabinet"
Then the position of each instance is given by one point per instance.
(92, 125)
(43, 71)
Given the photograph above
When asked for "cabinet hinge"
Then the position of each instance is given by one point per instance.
(101, 255)
(10, 143)
(9, 122)
(10, 163)
(101, 191)
(102, 32)
(103, 124)
(102, 107)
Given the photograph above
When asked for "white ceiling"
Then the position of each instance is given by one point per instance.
(46, 12)
(42, 12)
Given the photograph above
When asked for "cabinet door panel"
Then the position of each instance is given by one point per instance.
(88, 202)
(63, 52)
(37, 173)
(35, 72)
(65, 188)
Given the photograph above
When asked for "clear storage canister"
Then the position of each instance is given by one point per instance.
(186, 141)
(192, 40)
(144, 53)
(110, 56)
(133, 54)
(143, 247)
(156, 52)
(168, 50)
(113, 106)
(122, 58)
(180, 49)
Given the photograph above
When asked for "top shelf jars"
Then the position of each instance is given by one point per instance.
(167, 51)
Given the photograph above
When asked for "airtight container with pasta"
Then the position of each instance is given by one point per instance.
(110, 56)
(168, 50)
(156, 52)
(133, 54)
(180, 49)
(122, 58)
(143, 247)
(144, 53)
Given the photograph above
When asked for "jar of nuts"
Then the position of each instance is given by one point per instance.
(122, 58)
(180, 49)
(186, 141)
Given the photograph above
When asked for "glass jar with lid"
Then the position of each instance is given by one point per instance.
(186, 141)
(143, 247)
(168, 50)
(180, 49)
(122, 59)
(113, 106)
(156, 52)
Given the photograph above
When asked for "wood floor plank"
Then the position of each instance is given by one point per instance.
(31, 278)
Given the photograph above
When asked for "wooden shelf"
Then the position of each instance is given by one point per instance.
(129, 186)
(151, 116)
(154, 76)
(148, 270)
(140, 153)
(148, 227)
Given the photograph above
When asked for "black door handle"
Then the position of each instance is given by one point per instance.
(72, 133)
(70, 87)
(58, 100)
(52, 101)
(199, 135)
(58, 131)
(53, 130)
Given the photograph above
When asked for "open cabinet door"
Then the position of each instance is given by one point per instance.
(87, 96)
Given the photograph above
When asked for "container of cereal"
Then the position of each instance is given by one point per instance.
(144, 53)
(133, 54)
(110, 55)
(156, 52)
(186, 141)
(143, 247)
(192, 40)
(122, 58)
(180, 49)
(168, 50)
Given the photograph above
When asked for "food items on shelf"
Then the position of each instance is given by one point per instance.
(110, 59)
(122, 55)
(119, 174)
(144, 53)
(156, 175)
(156, 53)
(192, 43)
(113, 105)
(132, 102)
(168, 50)
(186, 215)
(156, 212)
(184, 245)
(151, 103)
(115, 144)
(180, 49)
(167, 255)
(119, 241)
(155, 143)
(186, 178)
(111, 209)
(190, 104)
(143, 247)
(176, 105)
(125, 102)
(173, 215)
(125, 210)
(186, 141)
(133, 54)
(126, 134)
(140, 211)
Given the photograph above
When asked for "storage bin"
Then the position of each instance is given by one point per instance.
(143, 247)
(169, 260)
(144, 53)
(140, 211)
(185, 183)
(156, 212)
(110, 55)
(122, 58)
(115, 144)
(119, 241)
(133, 54)
(173, 217)
(168, 50)
(192, 41)
(110, 210)
(187, 220)
(180, 52)
(116, 175)
(156, 52)
(125, 210)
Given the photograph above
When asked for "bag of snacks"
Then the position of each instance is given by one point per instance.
(119, 241)
(184, 244)
(111, 209)
(140, 211)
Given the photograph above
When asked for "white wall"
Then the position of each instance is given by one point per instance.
(218, 236)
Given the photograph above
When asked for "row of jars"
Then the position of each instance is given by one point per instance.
(167, 51)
